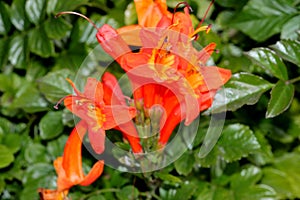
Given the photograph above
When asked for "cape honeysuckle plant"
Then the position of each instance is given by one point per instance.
(145, 97)
(170, 81)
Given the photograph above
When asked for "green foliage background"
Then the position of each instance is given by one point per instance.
(258, 153)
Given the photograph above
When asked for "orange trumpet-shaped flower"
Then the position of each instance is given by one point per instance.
(98, 115)
(69, 167)
(167, 70)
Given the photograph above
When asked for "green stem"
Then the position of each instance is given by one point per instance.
(294, 80)
(99, 192)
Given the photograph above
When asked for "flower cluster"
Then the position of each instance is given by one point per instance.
(170, 81)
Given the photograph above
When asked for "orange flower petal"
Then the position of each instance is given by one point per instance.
(94, 173)
(72, 159)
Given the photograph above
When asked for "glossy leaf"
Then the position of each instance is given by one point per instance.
(18, 15)
(6, 156)
(5, 24)
(241, 139)
(269, 61)
(54, 85)
(242, 142)
(288, 50)
(261, 19)
(18, 53)
(57, 28)
(281, 98)
(51, 125)
(39, 43)
(291, 29)
(242, 89)
(34, 10)
(185, 163)
(30, 100)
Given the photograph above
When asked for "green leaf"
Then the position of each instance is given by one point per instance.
(168, 178)
(127, 193)
(57, 28)
(5, 24)
(18, 53)
(130, 14)
(288, 50)
(237, 141)
(18, 16)
(281, 98)
(34, 10)
(269, 61)
(36, 153)
(55, 86)
(29, 99)
(56, 147)
(261, 19)
(51, 125)
(244, 185)
(6, 156)
(186, 191)
(284, 176)
(39, 43)
(247, 177)
(68, 5)
(12, 142)
(291, 29)
(35, 70)
(280, 182)
(185, 163)
(242, 89)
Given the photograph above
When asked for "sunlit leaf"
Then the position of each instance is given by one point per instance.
(288, 50)
(269, 61)
(281, 98)
(6, 156)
